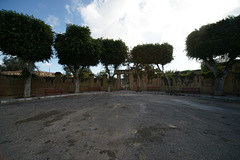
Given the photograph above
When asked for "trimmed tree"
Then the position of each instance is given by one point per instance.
(215, 43)
(154, 54)
(113, 54)
(26, 37)
(137, 56)
(76, 50)
(162, 55)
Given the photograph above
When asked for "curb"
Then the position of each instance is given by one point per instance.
(46, 97)
(194, 95)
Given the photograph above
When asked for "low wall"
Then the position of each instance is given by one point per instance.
(206, 85)
(11, 85)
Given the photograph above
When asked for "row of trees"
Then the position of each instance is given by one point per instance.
(31, 40)
(216, 45)
(76, 50)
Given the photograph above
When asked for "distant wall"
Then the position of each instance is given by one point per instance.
(206, 85)
(11, 85)
(14, 85)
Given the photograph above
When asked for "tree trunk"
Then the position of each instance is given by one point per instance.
(109, 79)
(27, 87)
(219, 86)
(76, 80)
(139, 82)
(28, 80)
(219, 79)
(169, 84)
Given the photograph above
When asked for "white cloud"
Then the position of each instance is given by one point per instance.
(72, 10)
(153, 21)
(52, 20)
(68, 9)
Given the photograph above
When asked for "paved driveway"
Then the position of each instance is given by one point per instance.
(120, 125)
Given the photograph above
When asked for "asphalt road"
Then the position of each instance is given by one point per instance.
(120, 126)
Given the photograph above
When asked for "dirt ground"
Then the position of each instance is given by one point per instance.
(120, 126)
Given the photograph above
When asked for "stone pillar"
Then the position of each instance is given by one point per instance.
(58, 80)
(118, 81)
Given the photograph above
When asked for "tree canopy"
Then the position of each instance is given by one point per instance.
(114, 52)
(76, 47)
(214, 43)
(214, 40)
(25, 37)
(152, 54)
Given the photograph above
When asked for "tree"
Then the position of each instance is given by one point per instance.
(12, 64)
(85, 74)
(157, 54)
(137, 56)
(216, 43)
(76, 49)
(162, 55)
(114, 53)
(26, 37)
(100, 75)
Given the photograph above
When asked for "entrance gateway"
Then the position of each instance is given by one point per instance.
(127, 81)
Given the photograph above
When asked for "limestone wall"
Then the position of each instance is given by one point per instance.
(231, 85)
(14, 85)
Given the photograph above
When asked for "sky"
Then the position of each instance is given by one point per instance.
(133, 21)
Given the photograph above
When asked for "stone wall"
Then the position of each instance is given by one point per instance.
(206, 85)
(14, 85)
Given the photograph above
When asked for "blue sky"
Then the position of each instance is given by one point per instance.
(133, 21)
